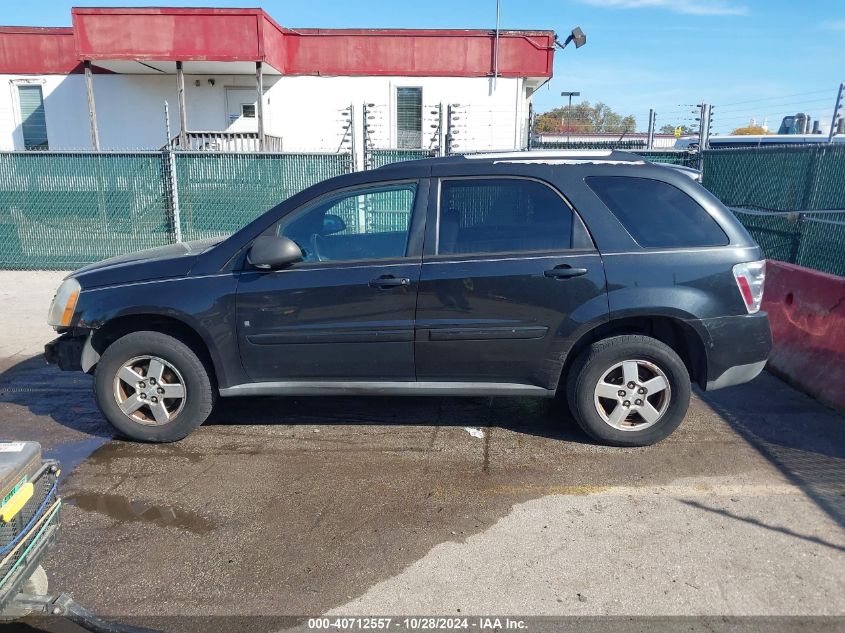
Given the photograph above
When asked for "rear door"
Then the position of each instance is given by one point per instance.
(508, 275)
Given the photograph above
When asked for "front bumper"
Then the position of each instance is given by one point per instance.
(737, 348)
(72, 352)
(66, 352)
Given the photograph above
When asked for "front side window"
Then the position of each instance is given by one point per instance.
(409, 118)
(501, 215)
(370, 223)
(657, 214)
(33, 118)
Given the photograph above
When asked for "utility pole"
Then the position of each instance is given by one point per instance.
(569, 113)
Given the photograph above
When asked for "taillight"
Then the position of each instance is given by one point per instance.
(749, 279)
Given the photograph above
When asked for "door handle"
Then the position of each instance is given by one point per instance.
(565, 271)
(389, 281)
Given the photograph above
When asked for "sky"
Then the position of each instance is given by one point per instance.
(748, 58)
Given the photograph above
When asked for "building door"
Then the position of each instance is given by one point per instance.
(241, 110)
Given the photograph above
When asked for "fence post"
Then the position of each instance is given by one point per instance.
(704, 126)
(350, 130)
(835, 116)
(365, 136)
(651, 119)
(530, 135)
(449, 138)
(797, 220)
(170, 161)
(441, 136)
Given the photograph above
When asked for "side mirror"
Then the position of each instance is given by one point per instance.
(333, 224)
(269, 252)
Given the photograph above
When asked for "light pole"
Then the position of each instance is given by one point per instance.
(569, 113)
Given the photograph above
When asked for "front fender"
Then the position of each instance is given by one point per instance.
(205, 304)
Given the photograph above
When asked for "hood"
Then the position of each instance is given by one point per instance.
(173, 260)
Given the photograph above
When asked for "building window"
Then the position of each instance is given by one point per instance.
(33, 120)
(248, 110)
(409, 118)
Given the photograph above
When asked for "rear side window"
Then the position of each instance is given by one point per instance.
(501, 215)
(657, 214)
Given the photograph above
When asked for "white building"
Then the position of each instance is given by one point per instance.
(103, 83)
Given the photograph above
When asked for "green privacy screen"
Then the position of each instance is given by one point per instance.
(778, 178)
(376, 158)
(778, 187)
(63, 210)
(219, 193)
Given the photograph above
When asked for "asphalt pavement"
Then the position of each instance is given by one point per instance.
(453, 506)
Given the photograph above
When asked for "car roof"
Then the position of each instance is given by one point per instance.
(553, 157)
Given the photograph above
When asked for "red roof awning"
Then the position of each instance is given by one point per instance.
(166, 35)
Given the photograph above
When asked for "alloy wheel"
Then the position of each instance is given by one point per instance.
(633, 395)
(149, 390)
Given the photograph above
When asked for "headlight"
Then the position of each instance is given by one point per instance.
(64, 303)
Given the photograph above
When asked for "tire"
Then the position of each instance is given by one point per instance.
(642, 419)
(157, 418)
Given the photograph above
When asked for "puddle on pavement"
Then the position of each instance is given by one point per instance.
(119, 449)
(129, 510)
(71, 454)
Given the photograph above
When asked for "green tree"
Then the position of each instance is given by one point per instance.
(749, 129)
(586, 118)
(686, 130)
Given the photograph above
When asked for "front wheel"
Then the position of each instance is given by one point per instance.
(152, 387)
(628, 390)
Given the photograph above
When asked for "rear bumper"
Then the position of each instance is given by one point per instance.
(737, 348)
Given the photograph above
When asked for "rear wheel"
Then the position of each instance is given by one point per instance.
(152, 387)
(628, 390)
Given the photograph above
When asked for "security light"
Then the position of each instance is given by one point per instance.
(576, 36)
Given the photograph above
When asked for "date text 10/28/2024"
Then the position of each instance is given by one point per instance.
(417, 623)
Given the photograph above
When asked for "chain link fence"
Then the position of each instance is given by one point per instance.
(62, 210)
(806, 177)
(813, 240)
(791, 199)
(375, 158)
(220, 193)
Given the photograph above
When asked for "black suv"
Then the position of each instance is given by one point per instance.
(596, 276)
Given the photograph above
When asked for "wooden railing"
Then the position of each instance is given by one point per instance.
(226, 142)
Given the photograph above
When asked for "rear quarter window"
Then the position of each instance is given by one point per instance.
(657, 214)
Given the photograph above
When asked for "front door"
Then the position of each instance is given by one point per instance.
(241, 110)
(508, 276)
(346, 312)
